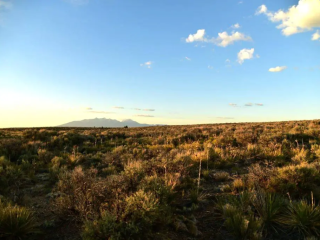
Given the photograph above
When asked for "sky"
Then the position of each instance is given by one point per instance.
(158, 62)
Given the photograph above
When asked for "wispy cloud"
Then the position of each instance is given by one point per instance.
(101, 112)
(137, 109)
(116, 107)
(210, 67)
(146, 64)
(189, 59)
(5, 4)
(233, 104)
(148, 110)
(224, 39)
(249, 104)
(88, 108)
(236, 26)
(277, 69)
(141, 115)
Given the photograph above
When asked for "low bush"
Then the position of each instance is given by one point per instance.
(16, 222)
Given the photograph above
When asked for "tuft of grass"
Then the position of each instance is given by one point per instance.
(269, 207)
(221, 176)
(303, 218)
(16, 222)
(241, 226)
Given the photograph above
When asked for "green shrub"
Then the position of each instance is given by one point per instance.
(297, 180)
(221, 176)
(241, 226)
(269, 207)
(16, 222)
(303, 217)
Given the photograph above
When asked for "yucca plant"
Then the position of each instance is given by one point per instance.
(303, 217)
(269, 207)
(16, 222)
(241, 226)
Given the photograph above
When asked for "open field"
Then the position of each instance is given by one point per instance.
(224, 181)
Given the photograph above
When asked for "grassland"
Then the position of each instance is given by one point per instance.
(224, 181)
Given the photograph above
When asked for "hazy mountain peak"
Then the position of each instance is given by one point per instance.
(104, 122)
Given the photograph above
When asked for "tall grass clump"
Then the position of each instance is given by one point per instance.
(303, 218)
(16, 222)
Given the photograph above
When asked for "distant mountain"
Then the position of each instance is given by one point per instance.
(104, 122)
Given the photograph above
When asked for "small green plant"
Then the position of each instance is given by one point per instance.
(221, 176)
(16, 222)
(269, 207)
(240, 225)
(303, 218)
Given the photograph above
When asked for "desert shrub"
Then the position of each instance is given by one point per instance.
(11, 148)
(301, 155)
(269, 207)
(221, 176)
(315, 149)
(133, 173)
(135, 221)
(58, 162)
(81, 194)
(286, 150)
(303, 218)
(238, 185)
(165, 193)
(142, 208)
(105, 228)
(297, 180)
(260, 176)
(16, 222)
(241, 226)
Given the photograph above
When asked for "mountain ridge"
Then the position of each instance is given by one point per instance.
(106, 122)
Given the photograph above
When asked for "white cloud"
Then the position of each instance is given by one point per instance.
(101, 112)
(262, 10)
(237, 25)
(146, 64)
(148, 110)
(199, 36)
(189, 59)
(259, 104)
(277, 69)
(143, 115)
(118, 107)
(298, 18)
(316, 36)
(223, 39)
(233, 104)
(88, 108)
(245, 54)
(249, 104)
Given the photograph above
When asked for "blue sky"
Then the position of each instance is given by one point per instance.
(66, 60)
